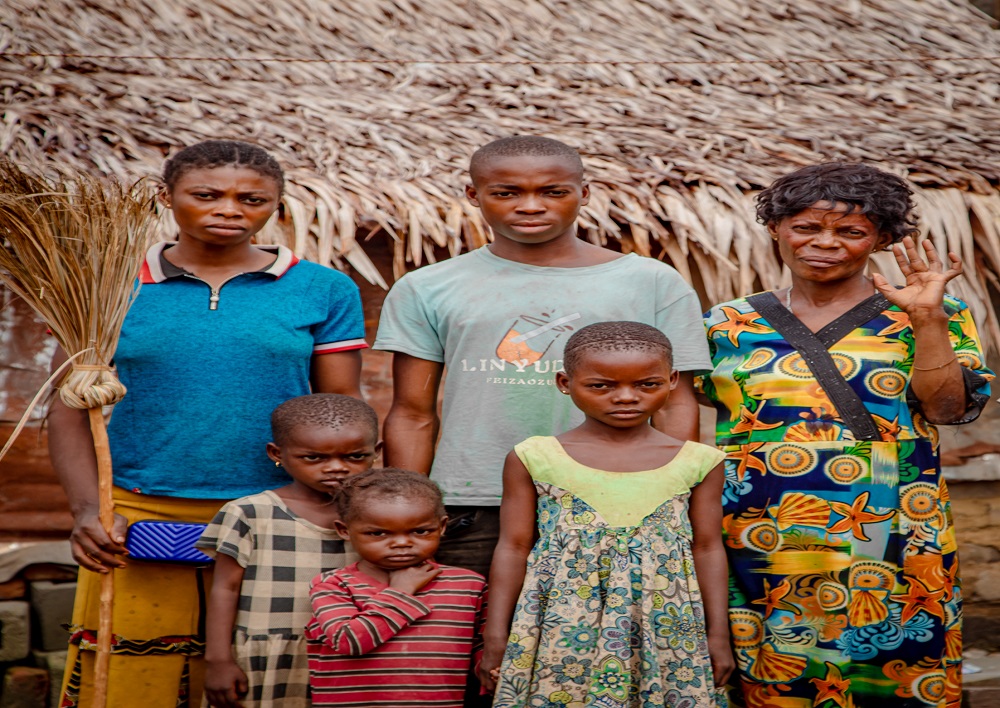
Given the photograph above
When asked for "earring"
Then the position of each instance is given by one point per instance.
(277, 463)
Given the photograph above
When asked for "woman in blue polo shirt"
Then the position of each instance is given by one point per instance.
(222, 332)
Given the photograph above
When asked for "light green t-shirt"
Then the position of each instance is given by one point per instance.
(499, 327)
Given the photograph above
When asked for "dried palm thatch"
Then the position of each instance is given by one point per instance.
(72, 250)
(681, 109)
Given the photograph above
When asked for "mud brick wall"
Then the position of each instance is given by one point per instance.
(975, 506)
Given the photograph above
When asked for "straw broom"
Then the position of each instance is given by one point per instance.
(72, 250)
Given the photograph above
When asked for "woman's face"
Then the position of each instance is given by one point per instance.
(222, 206)
(825, 243)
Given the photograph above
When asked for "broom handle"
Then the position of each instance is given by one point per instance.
(107, 516)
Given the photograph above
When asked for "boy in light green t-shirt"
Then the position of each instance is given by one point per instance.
(497, 318)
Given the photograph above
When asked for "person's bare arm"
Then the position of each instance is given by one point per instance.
(940, 389)
(510, 562)
(337, 372)
(712, 570)
(680, 417)
(225, 682)
(71, 449)
(411, 427)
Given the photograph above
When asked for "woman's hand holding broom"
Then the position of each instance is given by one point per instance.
(93, 549)
(71, 448)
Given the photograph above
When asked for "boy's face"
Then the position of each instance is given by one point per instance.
(319, 458)
(529, 199)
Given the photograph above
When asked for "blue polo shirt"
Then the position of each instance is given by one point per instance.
(205, 369)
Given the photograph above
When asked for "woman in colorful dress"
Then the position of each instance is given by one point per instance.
(844, 583)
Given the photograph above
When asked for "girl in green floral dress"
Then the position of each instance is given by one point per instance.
(593, 596)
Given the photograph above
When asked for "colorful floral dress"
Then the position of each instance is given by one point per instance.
(844, 582)
(610, 614)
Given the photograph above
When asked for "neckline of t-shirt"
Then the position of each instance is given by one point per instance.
(301, 519)
(485, 252)
(684, 448)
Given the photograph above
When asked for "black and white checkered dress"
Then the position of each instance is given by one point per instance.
(281, 553)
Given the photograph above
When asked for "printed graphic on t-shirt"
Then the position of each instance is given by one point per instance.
(530, 337)
(521, 356)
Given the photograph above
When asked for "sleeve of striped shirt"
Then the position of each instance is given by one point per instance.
(353, 625)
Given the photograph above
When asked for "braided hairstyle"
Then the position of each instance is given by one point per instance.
(619, 336)
(222, 153)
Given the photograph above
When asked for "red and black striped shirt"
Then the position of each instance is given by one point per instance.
(370, 645)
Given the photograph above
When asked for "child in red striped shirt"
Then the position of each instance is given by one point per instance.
(395, 629)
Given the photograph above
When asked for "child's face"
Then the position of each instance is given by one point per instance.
(529, 199)
(393, 533)
(621, 389)
(222, 206)
(319, 458)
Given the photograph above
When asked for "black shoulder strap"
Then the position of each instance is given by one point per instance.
(852, 319)
(813, 348)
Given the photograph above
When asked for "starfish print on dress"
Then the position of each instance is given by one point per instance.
(774, 599)
(951, 580)
(747, 460)
(855, 517)
(888, 429)
(900, 321)
(749, 422)
(832, 687)
(737, 323)
(919, 597)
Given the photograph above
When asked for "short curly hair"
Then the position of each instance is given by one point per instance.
(617, 336)
(882, 197)
(385, 483)
(324, 410)
(523, 146)
(222, 153)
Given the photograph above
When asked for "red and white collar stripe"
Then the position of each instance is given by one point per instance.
(152, 266)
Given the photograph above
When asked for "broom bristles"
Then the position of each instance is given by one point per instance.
(71, 248)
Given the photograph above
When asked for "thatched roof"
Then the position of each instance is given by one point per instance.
(680, 107)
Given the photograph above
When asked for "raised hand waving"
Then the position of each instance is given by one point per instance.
(923, 293)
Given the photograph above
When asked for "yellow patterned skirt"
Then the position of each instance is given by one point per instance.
(158, 649)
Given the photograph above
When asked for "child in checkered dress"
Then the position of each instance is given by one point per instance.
(269, 546)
